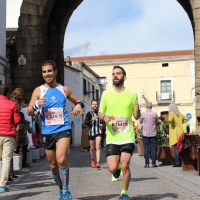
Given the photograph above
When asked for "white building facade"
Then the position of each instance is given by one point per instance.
(86, 85)
(3, 60)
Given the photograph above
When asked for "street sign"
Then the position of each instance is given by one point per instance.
(189, 115)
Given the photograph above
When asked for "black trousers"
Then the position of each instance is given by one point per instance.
(24, 153)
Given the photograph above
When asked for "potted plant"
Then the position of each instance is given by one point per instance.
(139, 142)
(165, 154)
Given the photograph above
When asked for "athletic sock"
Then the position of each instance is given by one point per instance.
(64, 175)
(57, 179)
(124, 192)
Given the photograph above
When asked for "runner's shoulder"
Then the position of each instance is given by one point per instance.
(107, 91)
(131, 91)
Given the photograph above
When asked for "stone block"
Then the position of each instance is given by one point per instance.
(197, 113)
(197, 82)
(196, 5)
(42, 152)
(29, 157)
(35, 154)
(197, 66)
(17, 163)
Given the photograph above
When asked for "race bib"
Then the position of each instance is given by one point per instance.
(53, 116)
(120, 124)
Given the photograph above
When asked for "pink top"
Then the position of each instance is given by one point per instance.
(148, 119)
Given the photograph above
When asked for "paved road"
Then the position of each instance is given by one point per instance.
(163, 182)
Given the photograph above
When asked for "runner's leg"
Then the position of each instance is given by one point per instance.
(62, 147)
(51, 157)
(125, 162)
(98, 148)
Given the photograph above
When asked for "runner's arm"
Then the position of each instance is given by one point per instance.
(75, 100)
(34, 98)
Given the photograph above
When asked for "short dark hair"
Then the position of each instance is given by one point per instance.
(50, 62)
(4, 89)
(94, 100)
(119, 67)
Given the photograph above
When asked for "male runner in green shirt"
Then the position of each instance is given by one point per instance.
(116, 108)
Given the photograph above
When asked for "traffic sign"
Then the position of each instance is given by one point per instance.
(189, 115)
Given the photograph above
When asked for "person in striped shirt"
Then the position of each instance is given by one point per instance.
(95, 133)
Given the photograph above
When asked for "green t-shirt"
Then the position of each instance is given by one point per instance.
(121, 107)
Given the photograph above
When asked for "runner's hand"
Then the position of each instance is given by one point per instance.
(41, 101)
(136, 107)
(107, 118)
(77, 110)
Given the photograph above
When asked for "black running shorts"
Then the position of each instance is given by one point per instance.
(114, 149)
(94, 137)
(50, 140)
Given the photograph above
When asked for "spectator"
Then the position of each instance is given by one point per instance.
(9, 118)
(94, 135)
(149, 119)
(176, 120)
(16, 96)
(22, 138)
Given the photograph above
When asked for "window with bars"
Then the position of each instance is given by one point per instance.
(165, 89)
(93, 92)
(84, 87)
(97, 94)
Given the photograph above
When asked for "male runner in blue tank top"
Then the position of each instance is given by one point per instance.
(50, 100)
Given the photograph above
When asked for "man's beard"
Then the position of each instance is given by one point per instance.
(120, 82)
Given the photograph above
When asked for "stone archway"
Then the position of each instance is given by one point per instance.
(40, 36)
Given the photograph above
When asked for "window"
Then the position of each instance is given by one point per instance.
(93, 92)
(89, 90)
(97, 94)
(164, 64)
(166, 89)
(84, 87)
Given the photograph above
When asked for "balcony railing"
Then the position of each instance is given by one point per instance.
(165, 97)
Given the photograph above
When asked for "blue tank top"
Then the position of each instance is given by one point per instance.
(54, 115)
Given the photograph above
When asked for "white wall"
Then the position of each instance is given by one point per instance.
(73, 80)
(3, 60)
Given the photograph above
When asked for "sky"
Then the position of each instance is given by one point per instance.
(102, 27)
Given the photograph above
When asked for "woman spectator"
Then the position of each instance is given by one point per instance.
(22, 138)
(16, 96)
(176, 120)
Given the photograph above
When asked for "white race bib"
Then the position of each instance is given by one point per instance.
(53, 116)
(120, 124)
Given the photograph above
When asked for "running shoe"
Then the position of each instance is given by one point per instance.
(117, 173)
(113, 179)
(98, 165)
(3, 189)
(65, 195)
(124, 197)
(93, 163)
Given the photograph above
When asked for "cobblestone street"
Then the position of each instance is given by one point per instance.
(86, 183)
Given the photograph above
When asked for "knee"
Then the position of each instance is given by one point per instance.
(61, 161)
(53, 166)
(112, 169)
(91, 148)
(98, 147)
(124, 167)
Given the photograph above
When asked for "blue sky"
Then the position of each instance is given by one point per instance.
(128, 26)
(122, 26)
